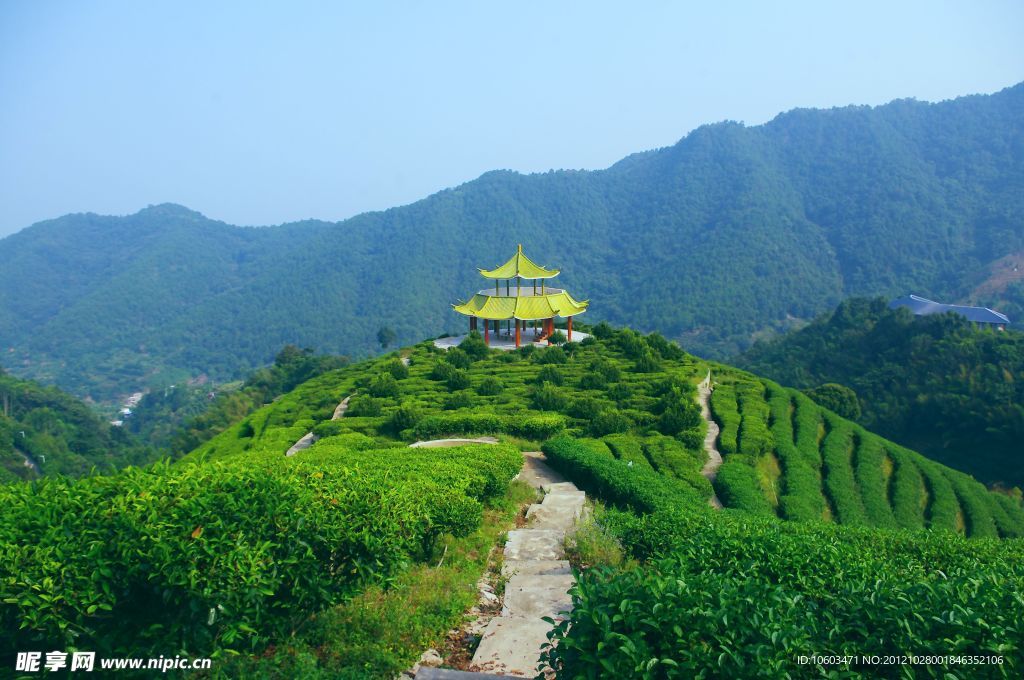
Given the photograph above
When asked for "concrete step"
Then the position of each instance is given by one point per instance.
(535, 544)
(559, 487)
(511, 645)
(510, 568)
(564, 498)
(560, 582)
(553, 516)
(536, 596)
(536, 473)
(425, 673)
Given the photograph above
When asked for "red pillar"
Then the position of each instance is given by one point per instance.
(569, 328)
(487, 332)
(518, 323)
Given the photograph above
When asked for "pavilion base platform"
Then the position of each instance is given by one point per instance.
(505, 342)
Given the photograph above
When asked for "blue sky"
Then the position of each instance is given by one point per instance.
(262, 113)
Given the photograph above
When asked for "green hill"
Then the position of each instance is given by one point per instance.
(935, 384)
(731, 232)
(45, 431)
(328, 556)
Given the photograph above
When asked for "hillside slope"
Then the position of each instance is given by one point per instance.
(934, 383)
(306, 564)
(634, 398)
(45, 431)
(732, 230)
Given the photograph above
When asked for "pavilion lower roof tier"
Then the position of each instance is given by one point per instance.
(526, 308)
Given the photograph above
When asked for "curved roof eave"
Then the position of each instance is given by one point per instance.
(519, 265)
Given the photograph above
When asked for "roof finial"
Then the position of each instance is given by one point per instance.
(520, 247)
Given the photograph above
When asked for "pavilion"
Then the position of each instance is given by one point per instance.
(530, 307)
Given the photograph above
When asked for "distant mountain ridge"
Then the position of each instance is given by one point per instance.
(732, 231)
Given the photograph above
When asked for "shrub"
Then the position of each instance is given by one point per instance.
(404, 418)
(664, 348)
(570, 348)
(592, 381)
(754, 439)
(547, 397)
(330, 428)
(606, 369)
(619, 392)
(647, 363)
(679, 417)
(529, 427)
(474, 346)
(738, 486)
(550, 355)
(457, 380)
(584, 408)
(550, 374)
(557, 338)
(525, 352)
(674, 388)
(838, 474)
(907, 490)
(384, 385)
(442, 371)
(602, 331)
(632, 343)
(723, 408)
(460, 399)
(363, 406)
(609, 422)
(801, 498)
(458, 358)
(615, 482)
(692, 439)
(353, 441)
(489, 387)
(397, 369)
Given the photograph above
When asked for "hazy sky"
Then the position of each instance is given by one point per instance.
(261, 113)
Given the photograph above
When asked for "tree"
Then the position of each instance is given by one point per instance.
(386, 336)
(837, 398)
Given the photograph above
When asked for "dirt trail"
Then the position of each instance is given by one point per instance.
(710, 469)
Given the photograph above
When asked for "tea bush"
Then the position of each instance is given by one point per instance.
(225, 554)
(745, 598)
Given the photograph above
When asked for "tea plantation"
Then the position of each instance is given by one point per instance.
(833, 540)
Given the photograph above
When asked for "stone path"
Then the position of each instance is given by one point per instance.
(309, 438)
(539, 576)
(710, 469)
(340, 409)
(443, 443)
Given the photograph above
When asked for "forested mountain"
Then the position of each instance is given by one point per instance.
(45, 431)
(732, 231)
(935, 383)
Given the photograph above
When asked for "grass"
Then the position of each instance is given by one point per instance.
(592, 545)
(382, 631)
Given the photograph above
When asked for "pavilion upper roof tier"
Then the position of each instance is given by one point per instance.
(519, 265)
